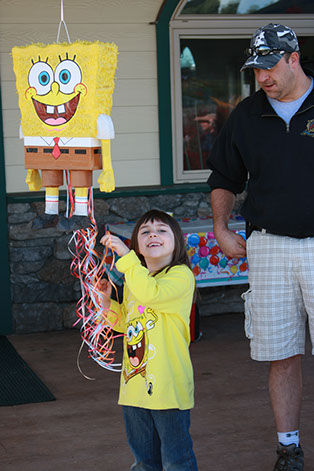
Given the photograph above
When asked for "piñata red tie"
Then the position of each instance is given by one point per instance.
(56, 150)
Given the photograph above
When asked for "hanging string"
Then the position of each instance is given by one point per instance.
(65, 26)
(91, 206)
(70, 198)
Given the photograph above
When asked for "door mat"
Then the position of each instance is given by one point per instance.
(18, 383)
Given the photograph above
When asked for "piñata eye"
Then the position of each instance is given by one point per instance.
(43, 78)
(40, 77)
(65, 76)
(68, 75)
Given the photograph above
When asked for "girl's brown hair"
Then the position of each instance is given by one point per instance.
(180, 256)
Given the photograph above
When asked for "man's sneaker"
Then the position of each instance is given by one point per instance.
(290, 458)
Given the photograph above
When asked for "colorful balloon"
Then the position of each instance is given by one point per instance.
(191, 251)
(243, 266)
(214, 250)
(214, 260)
(204, 251)
(204, 262)
(196, 270)
(195, 259)
(203, 241)
(193, 240)
(223, 263)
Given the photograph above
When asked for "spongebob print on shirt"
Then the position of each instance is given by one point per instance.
(136, 348)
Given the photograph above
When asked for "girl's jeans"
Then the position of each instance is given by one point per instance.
(159, 439)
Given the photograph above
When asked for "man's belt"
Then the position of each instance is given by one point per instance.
(251, 227)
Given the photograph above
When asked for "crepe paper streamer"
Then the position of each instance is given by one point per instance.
(97, 330)
(65, 97)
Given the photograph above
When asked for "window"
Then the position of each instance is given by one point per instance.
(209, 87)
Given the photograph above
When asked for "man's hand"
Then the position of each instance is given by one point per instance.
(230, 243)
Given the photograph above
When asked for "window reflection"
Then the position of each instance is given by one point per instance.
(212, 85)
(247, 7)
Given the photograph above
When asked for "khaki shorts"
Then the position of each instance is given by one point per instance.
(281, 295)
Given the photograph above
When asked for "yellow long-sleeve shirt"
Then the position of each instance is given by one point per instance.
(155, 314)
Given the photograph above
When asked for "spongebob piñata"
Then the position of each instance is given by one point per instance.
(65, 97)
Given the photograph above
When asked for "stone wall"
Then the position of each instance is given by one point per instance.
(43, 291)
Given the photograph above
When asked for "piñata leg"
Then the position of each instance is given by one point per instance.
(81, 202)
(52, 179)
(81, 180)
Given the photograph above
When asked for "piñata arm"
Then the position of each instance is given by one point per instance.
(33, 179)
(106, 178)
(105, 132)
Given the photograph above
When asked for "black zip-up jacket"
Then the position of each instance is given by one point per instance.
(277, 160)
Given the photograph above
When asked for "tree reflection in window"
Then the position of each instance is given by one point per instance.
(210, 91)
(247, 7)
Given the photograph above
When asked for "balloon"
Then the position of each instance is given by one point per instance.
(203, 241)
(193, 239)
(214, 250)
(234, 269)
(195, 259)
(243, 266)
(196, 270)
(204, 251)
(204, 263)
(191, 251)
(214, 260)
(223, 263)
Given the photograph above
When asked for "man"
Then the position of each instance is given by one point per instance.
(268, 140)
(207, 123)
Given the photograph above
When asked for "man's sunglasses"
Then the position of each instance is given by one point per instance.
(262, 51)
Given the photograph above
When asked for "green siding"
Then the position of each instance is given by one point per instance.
(5, 317)
(164, 91)
(118, 192)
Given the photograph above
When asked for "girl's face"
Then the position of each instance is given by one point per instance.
(156, 243)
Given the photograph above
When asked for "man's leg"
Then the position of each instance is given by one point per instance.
(285, 389)
(275, 323)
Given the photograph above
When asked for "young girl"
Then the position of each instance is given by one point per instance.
(156, 386)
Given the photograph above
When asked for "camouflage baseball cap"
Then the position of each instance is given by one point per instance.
(268, 45)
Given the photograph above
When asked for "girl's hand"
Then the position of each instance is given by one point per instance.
(115, 243)
(105, 288)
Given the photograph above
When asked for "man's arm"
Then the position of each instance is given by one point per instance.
(231, 244)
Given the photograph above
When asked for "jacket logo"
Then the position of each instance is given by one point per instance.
(309, 131)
